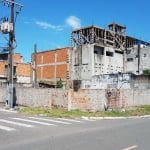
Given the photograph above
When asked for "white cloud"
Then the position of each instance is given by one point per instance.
(46, 25)
(73, 22)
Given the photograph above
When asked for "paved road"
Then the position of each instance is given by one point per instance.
(18, 132)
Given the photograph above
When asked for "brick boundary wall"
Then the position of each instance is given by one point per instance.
(86, 100)
(96, 100)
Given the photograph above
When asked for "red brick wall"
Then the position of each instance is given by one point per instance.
(61, 71)
(49, 56)
(62, 55)
(49, 61)
(45, 57)
(17, 58)
(39, 75)
(45, 72)
(23, 70)
(48, 72)
(2, 67)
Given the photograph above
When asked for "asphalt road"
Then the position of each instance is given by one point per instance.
(18, 132)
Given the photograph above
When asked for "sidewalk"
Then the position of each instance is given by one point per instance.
(4, 108)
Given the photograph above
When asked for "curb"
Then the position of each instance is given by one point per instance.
(8, 110)
(113, 118)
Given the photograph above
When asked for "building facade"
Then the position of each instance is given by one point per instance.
(51, 66)
(137, 59)
(95, 52)
(93, 59)
(98, 51)
(21, 70)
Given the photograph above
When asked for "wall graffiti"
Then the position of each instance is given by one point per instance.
(114, 81)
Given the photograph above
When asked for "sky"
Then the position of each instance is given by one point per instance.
(49, 23)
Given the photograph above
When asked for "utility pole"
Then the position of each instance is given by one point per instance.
(35, 66)
(11, 59)
(8, 27)
(138, 54)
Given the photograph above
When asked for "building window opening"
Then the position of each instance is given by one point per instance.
(129, 59)
(99, 50)
(128, 51)
(108, 53)
(7, 71)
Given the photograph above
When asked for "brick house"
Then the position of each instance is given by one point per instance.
(22, 71)
(50, 66)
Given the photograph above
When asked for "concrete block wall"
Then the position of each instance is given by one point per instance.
(131, 63)
(59, 98)
(136, 97)
(38, 97)
(2, 95)
(33, 97)
(24, 80)
(85, 100)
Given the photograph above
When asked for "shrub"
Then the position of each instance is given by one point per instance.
(59, 84)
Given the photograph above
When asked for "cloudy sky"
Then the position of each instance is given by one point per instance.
(49, 23)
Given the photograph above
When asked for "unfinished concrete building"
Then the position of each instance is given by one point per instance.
(98, 51)
(137, 59)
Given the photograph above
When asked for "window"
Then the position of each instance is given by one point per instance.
(128, 51)
(129, 59)
(8, 69)
(98, 50)
(119, 52)
(108, 53)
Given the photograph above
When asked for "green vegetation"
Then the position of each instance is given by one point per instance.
(133, 111)
(146, 72)
(59, 84)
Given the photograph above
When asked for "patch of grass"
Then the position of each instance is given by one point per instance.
(139, 111)
(53, 112)
(132, 111)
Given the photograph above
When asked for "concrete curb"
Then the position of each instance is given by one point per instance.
(111, 118)
(8, 110)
